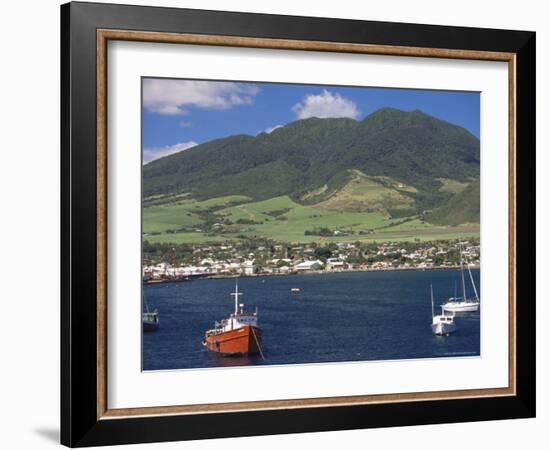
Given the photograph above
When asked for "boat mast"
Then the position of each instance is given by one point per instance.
(473, 284)
(462, 272)
(145, 302)
(236, 294)
(432, 297)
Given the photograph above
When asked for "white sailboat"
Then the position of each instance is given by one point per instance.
(442, 325)
(463, 304)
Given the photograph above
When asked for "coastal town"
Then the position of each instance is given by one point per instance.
(258, 258)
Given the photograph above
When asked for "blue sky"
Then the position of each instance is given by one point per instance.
(179, 114)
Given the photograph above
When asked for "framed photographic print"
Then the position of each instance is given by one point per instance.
(277, 224)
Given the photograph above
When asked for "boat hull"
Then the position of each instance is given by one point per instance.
(150, 326)
(243, 340)
(472, 307)
(443, 329)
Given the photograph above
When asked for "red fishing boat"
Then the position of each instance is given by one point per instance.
(238, 334)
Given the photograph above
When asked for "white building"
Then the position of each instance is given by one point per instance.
(308, 265)
(248, 267)
(334, 264)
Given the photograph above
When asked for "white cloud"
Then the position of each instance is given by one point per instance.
(271, 129)
(325, 104)
(185, 123)
(150, 154)
(173, 97)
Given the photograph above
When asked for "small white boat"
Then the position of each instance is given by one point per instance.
(295, 290)
(463, 304)
(442, 325)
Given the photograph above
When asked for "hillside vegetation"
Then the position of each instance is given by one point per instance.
(461, 208)
(393, 172)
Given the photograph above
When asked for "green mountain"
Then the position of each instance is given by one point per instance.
(392, 160)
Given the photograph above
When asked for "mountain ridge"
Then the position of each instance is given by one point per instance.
(413, 148)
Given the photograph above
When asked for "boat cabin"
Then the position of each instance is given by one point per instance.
(237, 319)
(240, 320)
(444, 319)
(151, 317)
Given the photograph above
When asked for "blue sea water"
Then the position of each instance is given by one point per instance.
(353, 316)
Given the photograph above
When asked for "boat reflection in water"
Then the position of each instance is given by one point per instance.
(234, 360)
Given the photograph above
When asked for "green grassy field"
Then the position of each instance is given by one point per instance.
(162, 218)
(183, 213)
(231, 218)
(259, 211)
(368, 193)
(219, 202)
(188, 238)
(426, 234)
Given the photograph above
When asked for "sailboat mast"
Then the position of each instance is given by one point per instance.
(462, 272)
(473, 284)
(432, 297)
(145, 302)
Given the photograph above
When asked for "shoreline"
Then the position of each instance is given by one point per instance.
(309, 272)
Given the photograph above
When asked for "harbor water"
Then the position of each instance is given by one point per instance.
(336, 317)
